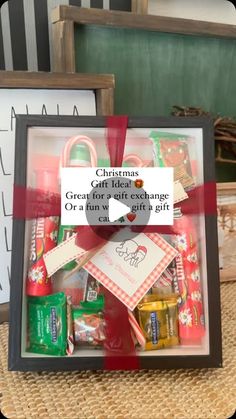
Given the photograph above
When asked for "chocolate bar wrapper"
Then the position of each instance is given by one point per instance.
(159, 322)
(92, 289)
(47, 325)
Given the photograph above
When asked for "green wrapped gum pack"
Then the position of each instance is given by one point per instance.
(47, 324)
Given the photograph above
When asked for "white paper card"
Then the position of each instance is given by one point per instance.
(128, 267)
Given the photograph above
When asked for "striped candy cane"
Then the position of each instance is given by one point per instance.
(136, 329)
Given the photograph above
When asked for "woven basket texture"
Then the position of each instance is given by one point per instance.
(197, 394)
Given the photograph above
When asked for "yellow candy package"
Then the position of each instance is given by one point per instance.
(159, 323)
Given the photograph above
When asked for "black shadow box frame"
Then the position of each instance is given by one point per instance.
(39, 363)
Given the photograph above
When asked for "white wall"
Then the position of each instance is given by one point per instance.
(221, 11)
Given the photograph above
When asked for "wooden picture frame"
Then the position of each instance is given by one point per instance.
(211, 355)
(103, 85)
(226, 197)
(143, 7)
(65, 17)
(139, 6)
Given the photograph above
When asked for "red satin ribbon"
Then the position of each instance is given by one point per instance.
(119, 345)
(201, 200)
(116, 137)
(29, 203)
(32, 203)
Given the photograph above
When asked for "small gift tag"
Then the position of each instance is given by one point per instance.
(62, 254)
(179, 192)
(129, 267)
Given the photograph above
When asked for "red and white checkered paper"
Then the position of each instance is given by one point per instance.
(132, 301)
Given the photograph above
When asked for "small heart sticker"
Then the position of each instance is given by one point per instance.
(131, 216)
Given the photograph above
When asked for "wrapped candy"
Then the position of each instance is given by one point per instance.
(88, 322)
(47, 329)
(191, 313)
(159, 322)
(171, 150)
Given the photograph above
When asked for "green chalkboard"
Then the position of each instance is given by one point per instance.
(155, 71)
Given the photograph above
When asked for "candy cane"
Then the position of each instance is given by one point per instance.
(136, 329)
(135, 160)
(78, 139)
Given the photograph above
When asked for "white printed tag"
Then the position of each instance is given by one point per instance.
(130, 267)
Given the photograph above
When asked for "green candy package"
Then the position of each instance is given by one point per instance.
(47, 324)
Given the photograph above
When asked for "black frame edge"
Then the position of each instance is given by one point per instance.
(18, 244)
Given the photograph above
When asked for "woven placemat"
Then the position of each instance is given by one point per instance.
(171, 394)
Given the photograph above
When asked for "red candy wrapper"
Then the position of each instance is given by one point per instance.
(191, 313)
(43, 239)
(44, 230)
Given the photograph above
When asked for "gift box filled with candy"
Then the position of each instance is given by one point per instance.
(115, 260)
